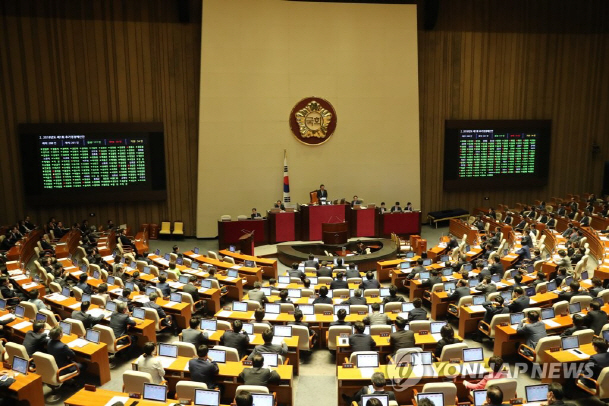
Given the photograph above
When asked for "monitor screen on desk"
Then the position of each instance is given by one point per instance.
(284, 280)
(155, 392)
(168, 350)
(273, 308)
(536, 393)
(516, 318)
(367, 360)
(262, 399)
(217, 355)
(195, 250)
(295, 293)
(410, 254)
(496, 278)
(473, 354)
(404, 265)
(184, 279)
(437, 399)
(467, 267)
(65, 291)
(552, 286)
(65, 327)
(479, 397)
(282, 331)
(478, 300)
(139, 313)
(41, 317)
(584, 275)
(473, 283)
(92, 336)
(147, 270)
(249, 263)
(547, 314)
(427, 262)
(248, 328)
(307, 309)
(606, 335)
(206, 283)
(313, 279)
(19, 311)
(232, 273)
(384, 399)
(2, 304)
(530, 291)
(407, 307)
(130, 286)
(447, 272)
(384, 292)
(149, 290)
(209, 325)
(95, 274)
(267, 291)
(444, 258)
(207, 397)
(575, 307)
(175, 297)
(110, 280)
(570, 342)
(449, 286)
(507, 296)
(194, 265)
(424, 275)
(436, 326)
(239, 306)
(342, 306)
(86, 298)
(111, 306)
(421, 358)
(271, 359)
(20, 365)
(167, 258)
(83, 268)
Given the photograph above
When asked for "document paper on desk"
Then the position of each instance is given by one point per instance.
(367, 372)
(29, 285)
(75, 305)
(96, 312)
(115, 399)
(583, 355)
(79, 342)
(21, 325)
(224, 313)
(477, 308)
(166, 361)
(277, 340)
(7, 317)
(551, 323)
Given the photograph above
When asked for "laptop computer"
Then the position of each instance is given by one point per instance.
(536, 393)
(195, 250)
(570, 342)
(232, 273)
(516, 318)
(473, 283)
(449, 286)
(307, 309)
(467, 267)
(206, 283)
(384, 292)
(150, 289)
(111, 306)
(447, 272)
(110, 280)
(530, 291)
(168, 350)
(167, 257)
(367, 360)
(217, 355)
(273, 308)
(271, 359)
(20, 365)
(424, 275)
(139, 313)
(65, 327)
(473, 354)
(478, 300)
(436, 398)
(2, 304)
(507, 296)
(249, 263)
(436, 326)
(342, 306)
(444, 258)
(95, 274)
(41, 317)
(92, 336)
(547, 314)
(19, 311)
(267, 291)
(407, 307)
(248, 328)
(384, 399)
(410, 254)
(146, 270)
(427, 262)
(155, 392)
(421, 358)
(86, 298)
(479, 397)
(284, 280)
(606, 335)
(263, 399)
(295, 293)
(209, 325)
(207, 397)
(194, 265)
(239, 306)
(282, 331)
(130, 286)
(551, 286)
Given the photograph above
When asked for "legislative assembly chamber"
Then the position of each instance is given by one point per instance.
(304, 202)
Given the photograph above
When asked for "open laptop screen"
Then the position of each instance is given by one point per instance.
(155, 392)
(206, 397)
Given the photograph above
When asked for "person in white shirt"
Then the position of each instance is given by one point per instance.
(34, 299)
(148, 362)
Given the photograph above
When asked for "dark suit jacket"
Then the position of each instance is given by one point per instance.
(309, 264)
(276, 348)
(401, 339)
(259, 376)
(354, 300)
(340, 323)
(361, 342)
(596, 319)
(35, 342)
(352, 273)
(599, 361)
(496, 269)
(428, 283)
(85, 288)
(158, 308)
(61, 352)
(459, 293)
(322, 193)
(188, 288)
(164, 288)
(295, 273)
(119, 323)
(193, 336)
(203, 371)
(239, 341)
(519, 304)
(323, 299)
(324, 271)
(389, 299)
(339, 284)
(441, 344)
(492, 310)
(370, 284)
(533, 332)
(417, 314)
(88, 321)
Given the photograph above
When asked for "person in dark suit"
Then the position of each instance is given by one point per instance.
(268, 346)
(493, 308)
(396, 207)
(496, 268)
(324, 270)
(434, 278)
(339, 282)
(418, 313)
(520, 226)
(355, 201)
(62, 353)
(82, 284)
(203, 369)
(370, 282)
(163, 286)
(152, 304)
(352, 272)
(283, 297)
(596, 318)
(578, 325)
(573, 291)
(88, 321)
(125, 298)
(585, 221)
(401, 338)
(11, 295)
(416, 270)
(322, 193)
(461, 291)
(120, 322)
(310, 263)
(323, 296)
(556, 394)
(376, 317)
(519, 302)
(257, 375)
(356, 299)
(193, 334)
(561, 275)
(551, 224)
(191, 288)
(35, 339)
(509, 218)
(600, 360)
(597, 287)
(255, 215)
(532, 329)
(486, 287)
(298, 321)
(393, 295)
(448, 337)
(340, 315)
(377, 388)
(294, 272)
(279, 205)
(360, 341)
(235, 338)
(339, 265)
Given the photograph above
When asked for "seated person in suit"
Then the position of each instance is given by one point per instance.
(361, 248)
(259, 314)
(63, 354)
(244, 398)
(257, 294)
(416, 270)
(35, 339)
(409, 207)
(193, 334)
(120, 322)
(377, 388)
(396, 207)
(377, 317)
(561, 275)
(435, 278)
(356, 299)
(257, 375)
(600, 360)
(519, 302)
(255, 214)
(355, 201)
(532, 329)
(340, 315)
(401, 338)
(268, 346)
(310, 263)
(88, 321)
(283, 297)
(597, 286)
(33, 294)
(203, 369)
(352, 272)
(339, 282)
(461, 291)
(191, 289)
(370, 282)
(574, 288)
(102, 291)
(322, 193)
(578, 325)
(12, 296)
(493, 308)
(494, 396)
(294, 272)
(360, 341)
(323, 270)
(125, 298)
(339, 265)
(596, 318)
(151, 304)
(448, 337)
(298, 321)
(496, 365)
(383, 209)
(496, 268)
(323, 296)
(487, 286)
(556, 394)
(236, 338)
(148, 362)
(393, 295)
(163, 286)
(418, 313)
(279, 205)
(82, 284)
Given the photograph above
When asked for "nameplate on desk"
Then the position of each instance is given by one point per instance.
(374, 296)
(555, 349)
(423, 332)
(344, 296)
(361, 312)
(347, 365)
(516, 401)
(227, 308)
(134, 395)
(504, 324)
(455, 361)
(396, 311)
(246, 363)
(184, 401)
(90, 388)
(291, 312)
(344, 335)
(384, 334)
(463, 404)
(327, 313)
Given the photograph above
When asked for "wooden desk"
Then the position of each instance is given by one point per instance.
(27, 389)
(567, 357)
(269, 266)
(362, 222)
(250, 274)
(507, 339)
(229, 232)
(314, 216)
(459, 228)
(384, 269)
(23, 250)
(102, 396)
(68, 244)
(403, 223)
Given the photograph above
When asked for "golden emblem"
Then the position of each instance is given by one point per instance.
(313, 120)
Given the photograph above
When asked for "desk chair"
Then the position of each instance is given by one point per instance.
(133, 381)
(357, 280)
(418, 325)
(141, 265)
(456, 310)
(333, 333)
(599, 387)
(186, 389)
(402, 354)
(310, 269)
(489, 329)
(530, 309)
(452, 351)
(507, 385)
(378, 329)
(213, 254)
(340, 292)
(583, 300)
(259, 328)
(229, 260)
(98, 300)
(305, 341)
(151, 314)
(187, 262)
(171, 274)
(223, 325)
(30, 310)
(78, 293)
(320, 308)
(14, 349)
(353, 355)
(185, 349)
(51, 375)
(372, 292)
(107, 336)
(187, 298)
(585, 336)
(449, 390)
(78, 327)
(561, 307)
(178, 229)
(536, 355)
(286, 307)
(361, 308)
(165, 229)
(54, 287)
(52, 318)
(252, 305)
(324, 280)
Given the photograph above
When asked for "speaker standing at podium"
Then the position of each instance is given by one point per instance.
(322, 193)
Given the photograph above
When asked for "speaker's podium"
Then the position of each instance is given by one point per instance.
(335, 233)
(246, 244)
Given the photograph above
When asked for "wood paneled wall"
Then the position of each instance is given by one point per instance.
(517, 60)
(101, 61)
